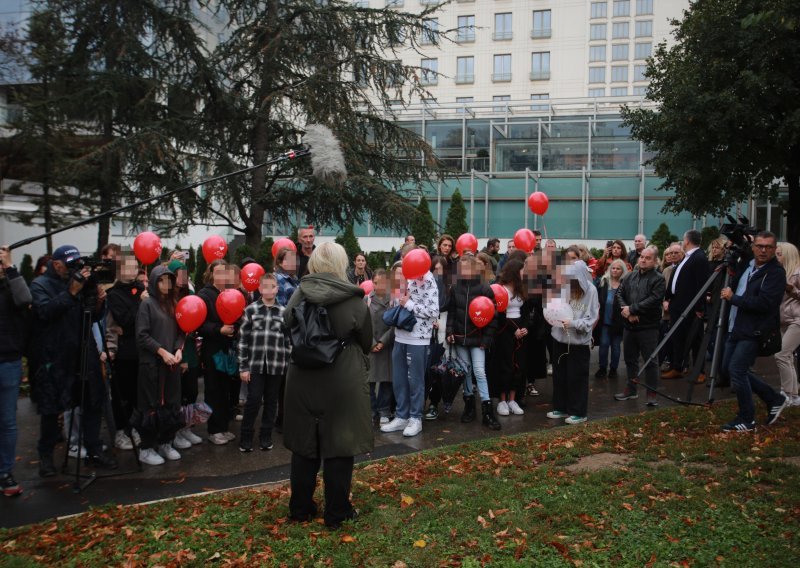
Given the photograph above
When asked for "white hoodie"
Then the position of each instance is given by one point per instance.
(586, 310)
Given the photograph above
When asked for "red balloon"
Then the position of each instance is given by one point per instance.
(481, 311)
(190, 313)
(251, 276)
(230, 306)
(538, 202)
(214, 247)
(147, 247)
(467, 241)
(500, 297)
(415, 264)
(525, 240)
(368, 286)
(282, 243)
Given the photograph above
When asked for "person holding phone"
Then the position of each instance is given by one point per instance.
(614, 250)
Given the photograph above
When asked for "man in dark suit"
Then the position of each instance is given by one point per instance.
(686, 280)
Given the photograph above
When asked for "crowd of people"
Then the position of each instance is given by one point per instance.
(90, 342)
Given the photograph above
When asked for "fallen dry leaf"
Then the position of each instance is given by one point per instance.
(347, 538)
(420, 543)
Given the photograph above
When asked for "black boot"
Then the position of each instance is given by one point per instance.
(489, 419)
(47, 468)
(469, 409)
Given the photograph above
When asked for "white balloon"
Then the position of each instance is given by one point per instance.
(557, 311)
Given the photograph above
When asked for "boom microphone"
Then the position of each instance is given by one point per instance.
(327, 160)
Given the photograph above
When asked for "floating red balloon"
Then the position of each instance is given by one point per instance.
(467, 242)
(481, 311)
(190, 313)
(525, 240)
(251, 276)
(538, 202)
(500, 297)
(230, 306)
(214, 247)
(147, 247)
(415, 264)
(282, 243)
(368, 286)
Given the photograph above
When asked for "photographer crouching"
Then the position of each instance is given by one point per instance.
(60, 297)
(754, 315)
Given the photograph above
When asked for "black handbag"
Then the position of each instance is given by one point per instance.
(769, 343)
(399, 317)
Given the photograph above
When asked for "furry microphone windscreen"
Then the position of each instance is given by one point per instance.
(327, 160)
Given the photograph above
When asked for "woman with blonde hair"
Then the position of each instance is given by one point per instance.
(790, 321)
(608, 334)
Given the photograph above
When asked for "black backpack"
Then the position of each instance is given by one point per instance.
(314, 345)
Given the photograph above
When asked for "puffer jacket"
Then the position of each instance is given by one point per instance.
(790, 307)
(459, 324)
(15, 300)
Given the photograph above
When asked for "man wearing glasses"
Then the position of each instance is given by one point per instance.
(755, 313)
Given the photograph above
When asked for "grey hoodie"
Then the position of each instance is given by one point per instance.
(585, 310)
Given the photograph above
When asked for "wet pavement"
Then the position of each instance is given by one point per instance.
(207, 467)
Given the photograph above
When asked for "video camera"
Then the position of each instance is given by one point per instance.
(104, 271)
(737, 231)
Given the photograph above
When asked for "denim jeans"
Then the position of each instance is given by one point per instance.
(608, 341)
(408, 379)
(740, 355)
(380, 398)
(10, 377)
(475, 358)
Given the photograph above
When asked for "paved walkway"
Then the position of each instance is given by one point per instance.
(207, 467)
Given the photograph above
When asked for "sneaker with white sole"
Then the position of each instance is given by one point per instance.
(776, 409)
(166, 451)
(122, 442)
(575, 420)
(181, 443)
(502, 408)
(191, 436)
(150, 457)
(395, 425)
(739, 425)
(218, 439)
(515, 408)
(384, 420)
(136, 437)
(557, 414)
(794, 400)
(230, 436)
(73, 451)
(413, 427)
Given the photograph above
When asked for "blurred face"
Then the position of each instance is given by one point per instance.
(511, 247)
(381, 285)
(360, 262)
(616, 272)
(616, 250)
(411, 240)
(763, 250)
(400, 282)
(647, 260)
(289, 263)
(182, 278)
(446, 247)
(438, 269)
(220, 276)
(306, 237)
(128, 269)
(465, 266)
(268, 289)
(571, 256)
(164, 285)
(550, 245)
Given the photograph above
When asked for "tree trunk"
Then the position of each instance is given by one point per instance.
(48, 216)
(793, 212)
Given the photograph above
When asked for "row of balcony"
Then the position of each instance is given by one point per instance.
(496, 78)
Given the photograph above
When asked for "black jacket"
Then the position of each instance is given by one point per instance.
(213, 340)
(123, 302)
(15, 300)
(459, 323)
(759, 307)
(643, 293)
(692, 277)
(616, 316)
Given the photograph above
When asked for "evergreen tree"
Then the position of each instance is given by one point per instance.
(662, 238)
(456, 223)
(264, 254)
(349, 241)
(200, 269)
(422, 225)
(190, 262)
(26, 268)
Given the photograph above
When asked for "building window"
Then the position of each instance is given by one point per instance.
(465, 70)
(597, 53)
(619, 52)
(597, 31)
(619, 91)
(640, 91)
(622, 8)
(466, 29)
(541, 24)
(465, 101)
(431, 27)
(638, 72)
(540, 97)
(643, 50)
(394, 74)
(501, 71)
(361, 3)
(644, 28)
(644, 7)
(502, 26)
(395, 3)
(619, 73)
(501, 98)
(599, 9)
(620, 30)
(540, 66)
(430, 70)
(594, 93)
(597, 74)
(361, 73)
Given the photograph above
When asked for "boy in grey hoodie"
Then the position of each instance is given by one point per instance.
(572, 345)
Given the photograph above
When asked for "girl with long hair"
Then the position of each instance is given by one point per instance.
(615, 250)
(608, 333)
(359, 272)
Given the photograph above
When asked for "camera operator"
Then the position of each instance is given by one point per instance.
(15, 300)
(60, 296)
(755, 312)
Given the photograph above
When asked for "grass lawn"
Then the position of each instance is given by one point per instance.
(664, 488)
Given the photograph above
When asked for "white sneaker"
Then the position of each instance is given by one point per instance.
(556, 414)
(230, 436)
(168, 452)
(515, 408)
(413, 427)
(73, 451)
(395, 425)
(181, 443)
(794, 400)
(150, 457)
(219, 439)
(191, 436)
(136, 437)
(502, 408)
(575, 420)
(384, 420)
(239, 417)
(122, 442)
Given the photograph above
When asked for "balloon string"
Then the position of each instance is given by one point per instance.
(566, 330)
(544, 227)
